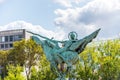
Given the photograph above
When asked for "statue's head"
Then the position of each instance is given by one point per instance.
(72, 35)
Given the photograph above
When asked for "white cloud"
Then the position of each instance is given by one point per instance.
(94, 14)
(101, 6)
(68, 3)
(1, 1)
(65, 3)
(71, 3)
(34, 28)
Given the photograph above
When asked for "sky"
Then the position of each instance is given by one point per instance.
(56, 18)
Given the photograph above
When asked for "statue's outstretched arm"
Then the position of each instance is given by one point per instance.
(38, 35)
(46, 37)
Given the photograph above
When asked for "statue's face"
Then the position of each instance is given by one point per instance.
(72, 35)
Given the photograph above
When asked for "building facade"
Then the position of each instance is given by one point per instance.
(7, 38)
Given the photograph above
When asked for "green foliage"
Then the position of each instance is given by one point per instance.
(3, 57)
(100, 62)
(34, 75)
(110, 60)
(25, 52)
(14, 73)
(3, 62)
(88, 65)
(44, 72)
(32, 51)
(17, 53)
(0, 78)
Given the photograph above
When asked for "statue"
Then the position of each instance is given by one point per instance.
(67, 54)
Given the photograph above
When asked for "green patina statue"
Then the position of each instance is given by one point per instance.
(65, 55)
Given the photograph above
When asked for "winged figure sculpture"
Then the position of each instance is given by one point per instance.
(67, 54)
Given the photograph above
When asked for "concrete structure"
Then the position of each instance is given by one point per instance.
(8, 37)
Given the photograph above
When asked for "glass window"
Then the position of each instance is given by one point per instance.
(10, 45)
(3, 39)
(2, 45)
(6, 38)
(17, 37)
(20, 36)
(6, 45)
(11, 38)
(0, 38)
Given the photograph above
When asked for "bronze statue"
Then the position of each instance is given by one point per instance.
(67, 54)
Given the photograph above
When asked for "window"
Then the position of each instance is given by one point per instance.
(11, 38)
(0, 38)
(3, 39)
(10, 45)
(6, 38)
(18, 37)
(2, 46)
(6, 45)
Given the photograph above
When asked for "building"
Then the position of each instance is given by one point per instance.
(8, 37)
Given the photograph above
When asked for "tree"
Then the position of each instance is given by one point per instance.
(100, 62)
(88, 65)
(43, 72)
(109, 60)
(14, 73)
(26, 53)
(17, 54)
(3, 62)
(33, 52)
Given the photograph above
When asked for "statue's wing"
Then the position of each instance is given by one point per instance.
(79, 45)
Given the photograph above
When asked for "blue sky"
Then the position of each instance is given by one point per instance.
(39, 12)
(56, 18)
